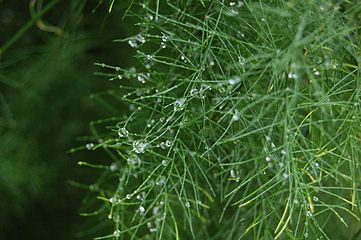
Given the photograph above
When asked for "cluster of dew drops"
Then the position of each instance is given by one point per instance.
(140, 146)
(157, 212)
(157, 209)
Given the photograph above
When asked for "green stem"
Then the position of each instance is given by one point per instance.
(26, 27)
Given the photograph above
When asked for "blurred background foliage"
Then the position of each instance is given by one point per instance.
(46, 80)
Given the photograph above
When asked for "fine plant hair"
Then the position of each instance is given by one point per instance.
(242, 122)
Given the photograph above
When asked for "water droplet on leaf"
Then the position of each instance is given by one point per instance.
(116, 233)
(89, 146)
(140, 146)
(179, 104)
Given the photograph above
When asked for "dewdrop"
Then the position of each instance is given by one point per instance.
(201, 92)
(234, 8)
(113, 167)
(134, 161)
(113, 199)
(149, 57)
(149, 17)
(89, 146)
(136, 41)
(116, 218)
(168, 143)
(179, 104)
(141, 196)
(234, 80)
(233, 173)
(193, 91)
(138, 93)
(151, 123)
(139, 146)
(316, 72)
(236, 116)
(241, 60)
(165, 145)
(123, 132)
(141, 210)
(158, 216)
(116, 233)
(160, 181)
(149, 224)
(165, 38)
(133, 43)
(292, 75)
(143, 77)
(183, 58)
(130, 73)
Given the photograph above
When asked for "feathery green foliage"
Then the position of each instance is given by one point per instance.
(243, 123)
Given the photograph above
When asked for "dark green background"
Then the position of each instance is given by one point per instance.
(45, 108)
